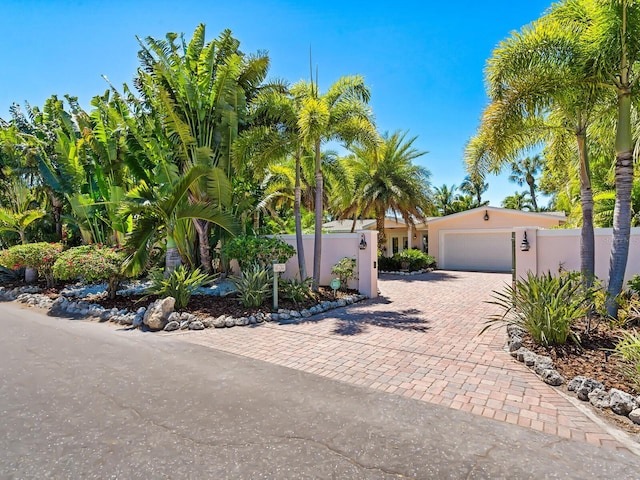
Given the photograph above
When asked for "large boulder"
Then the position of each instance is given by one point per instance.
(157, 315)
(621, 402)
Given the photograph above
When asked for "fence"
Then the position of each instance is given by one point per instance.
(552, 250)
(335, 247)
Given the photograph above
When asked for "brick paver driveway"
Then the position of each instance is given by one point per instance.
(420, 340)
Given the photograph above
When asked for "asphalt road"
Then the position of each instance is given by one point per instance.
(83, 400)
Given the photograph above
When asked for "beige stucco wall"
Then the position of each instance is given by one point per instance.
(498, 220)
(551, 250)
(336, 246)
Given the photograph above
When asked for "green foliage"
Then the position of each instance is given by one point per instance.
(634, 284)
(249, 250)
(296, 291)
(416, 260)
(40, 256)
(91, 263)
(180, 284)
(546, 307)
(345, 269)
(628, 349)
(254, 285)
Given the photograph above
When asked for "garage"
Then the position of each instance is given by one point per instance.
(488, 251)
(480, 239)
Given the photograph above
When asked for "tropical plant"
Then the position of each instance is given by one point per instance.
(524, 172)
(254, 285)
(628, 350)
(40, 256)
(181, 284)
(386, 180)
(295, 290)
(342, 113)
(545, 306)
(263, 251)
(444, 199)
(91, 263)
(475, 186)
(18, 213)
(345, 269)
(518, 201)
(415, 259)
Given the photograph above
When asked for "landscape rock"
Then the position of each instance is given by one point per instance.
(521, 353)
(252, 320)
(305, 313)
(157, 315)
(515, 344)
(208, 322)
(600, 398)
(196, 325)
(529, 358)
(219, 322)
(552, 377)
(634, 415)
(174, 317)
(171, 326)
(588, 386)
(295, 314)
(229, 322)
(621, 402)
(575, 383)
(184, 324)
(542, 363)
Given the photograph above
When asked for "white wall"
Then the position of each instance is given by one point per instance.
(551, 250)
(335, 247)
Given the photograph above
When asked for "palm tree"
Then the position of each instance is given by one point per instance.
(386, 180)
(444, 199)
(342, 113)
(157, 212)
(524, 172)
(17, 212)
(518, 201)
(541, 94)
(475, 186)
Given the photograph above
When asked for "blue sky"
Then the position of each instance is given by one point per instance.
(423, 60)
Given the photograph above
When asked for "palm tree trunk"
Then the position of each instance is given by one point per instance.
(297, 215)
(172, 256)
(317, 247)
(204, 231)
(56, 211)
(622, 209)
(532, 191)
(587, 242)
(382, 236)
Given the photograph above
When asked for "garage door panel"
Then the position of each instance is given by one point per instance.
(487, 251)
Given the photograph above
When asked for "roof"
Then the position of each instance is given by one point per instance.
(558, 215)
(345, 226)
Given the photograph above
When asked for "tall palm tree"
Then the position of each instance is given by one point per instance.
(386, 180)
(444, 199)
(475, 186)
(342, 113)
(524, 172)
(541, 94)
(519, 201)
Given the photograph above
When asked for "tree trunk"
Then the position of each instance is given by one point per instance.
(382, 236)
(622, 209)
(587, 243)
(317, 246)
(172, 256)
(297, 215)
(56, 212)
(204, 231)
(532, 191)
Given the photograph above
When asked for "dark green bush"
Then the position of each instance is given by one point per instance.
(264, 251)
(415, 259)
(546, 307)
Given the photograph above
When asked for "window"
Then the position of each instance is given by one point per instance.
(405, 243)
(394, 245)
(425, 243)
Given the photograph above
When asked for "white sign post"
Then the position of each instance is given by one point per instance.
(277, 268)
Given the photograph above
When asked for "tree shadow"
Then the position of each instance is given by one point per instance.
(434, 276)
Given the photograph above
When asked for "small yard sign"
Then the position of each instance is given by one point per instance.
(279, 267)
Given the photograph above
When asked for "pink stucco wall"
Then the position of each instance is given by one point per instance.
(551, 250)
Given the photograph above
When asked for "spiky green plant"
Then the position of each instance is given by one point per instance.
(253, 285)
(180, 284)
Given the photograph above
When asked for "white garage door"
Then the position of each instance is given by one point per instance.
(476, 251)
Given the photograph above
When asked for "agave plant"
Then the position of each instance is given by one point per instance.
(253, 285)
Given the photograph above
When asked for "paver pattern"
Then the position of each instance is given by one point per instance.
(419, 339)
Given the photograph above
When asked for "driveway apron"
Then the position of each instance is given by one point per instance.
(420, 339)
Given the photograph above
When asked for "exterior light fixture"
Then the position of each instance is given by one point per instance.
(363, 242)
(524, 245)
(486, 215)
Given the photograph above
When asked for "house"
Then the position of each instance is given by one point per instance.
(478, 239)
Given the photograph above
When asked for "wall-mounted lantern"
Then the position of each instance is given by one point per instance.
(486, 215)
(363, 242)
(524, 245)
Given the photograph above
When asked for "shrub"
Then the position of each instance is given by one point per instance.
(345, 269)
(634, 284)
(416, 259)
(91, 263)
(40, 256)
(546, 307)
(296, 291)
(628, 349)
(180, 284)
(254, 285)
(261, 250)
